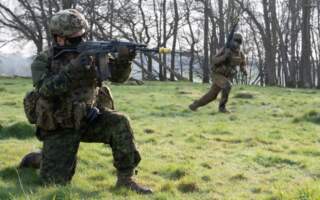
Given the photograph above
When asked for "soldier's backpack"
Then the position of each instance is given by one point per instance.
(29, 104)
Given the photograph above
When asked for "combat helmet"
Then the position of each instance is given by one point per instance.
(68, 23)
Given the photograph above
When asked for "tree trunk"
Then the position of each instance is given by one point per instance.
(305, 64)
(221, 23)
(92, 19)
(164, 21)
(158, 29)
(205, 67)
(274, 39)
(66, 4)
(193, 40)
(175, 34)
(318, 60)
(142, 64)
(149, 65)
(293, 12)
(110, 15)
(269, 50)
(213, 38)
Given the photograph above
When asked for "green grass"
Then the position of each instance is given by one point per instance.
(267, 148)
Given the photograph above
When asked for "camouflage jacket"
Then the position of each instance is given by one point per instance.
(64, 97)
(228, 67)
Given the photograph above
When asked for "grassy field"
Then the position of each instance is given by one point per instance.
(267, 148)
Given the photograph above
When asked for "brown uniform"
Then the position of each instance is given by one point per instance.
(223, 70)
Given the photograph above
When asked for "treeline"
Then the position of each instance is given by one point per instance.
(281, 37)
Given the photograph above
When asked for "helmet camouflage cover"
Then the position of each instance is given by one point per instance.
(68, 23)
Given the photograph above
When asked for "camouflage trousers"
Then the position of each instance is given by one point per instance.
(221, 84)
(59, 153)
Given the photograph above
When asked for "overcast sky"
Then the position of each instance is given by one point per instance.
(26, 49)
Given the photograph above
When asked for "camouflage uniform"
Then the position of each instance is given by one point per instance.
(64, 98)
(223, 70)
(61, 118)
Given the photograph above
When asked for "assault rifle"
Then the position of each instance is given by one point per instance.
(99, 50)
(231, 34)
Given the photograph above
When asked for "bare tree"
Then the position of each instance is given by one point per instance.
(205, 66)
(318, 46)
(68, 4)
(175, 35)
(221, 23)
(190, 37)
(281, 37)
(266, 35)
(305, 64)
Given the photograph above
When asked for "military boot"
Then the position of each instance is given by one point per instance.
(223, 109)
(127, 182)
(31, 160)
(194, 106)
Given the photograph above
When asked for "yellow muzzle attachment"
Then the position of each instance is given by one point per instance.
(164, 50)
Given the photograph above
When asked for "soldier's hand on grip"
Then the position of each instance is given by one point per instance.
(125, 53)
(79, 66)
(81, 61)
(227, 54)
(92, 114)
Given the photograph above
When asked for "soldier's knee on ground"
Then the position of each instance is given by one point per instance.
(59, 158)
(59, 176)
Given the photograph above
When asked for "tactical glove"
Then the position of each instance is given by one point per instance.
(81, 63)
(92, 114)
(227, 54)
